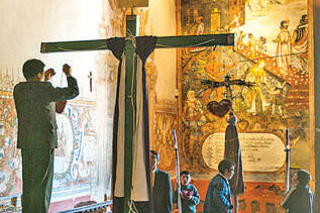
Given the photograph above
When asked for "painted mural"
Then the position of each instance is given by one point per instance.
(77, 147)
(271, 51)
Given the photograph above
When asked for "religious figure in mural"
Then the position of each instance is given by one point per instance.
(252, 46)
(193, 112)
(279, 98)
(254, 96)
(299, 41)
(283, 50)
(194, 118)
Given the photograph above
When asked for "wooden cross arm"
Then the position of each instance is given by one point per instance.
(71, 46)
(195, 40)
(162, 42)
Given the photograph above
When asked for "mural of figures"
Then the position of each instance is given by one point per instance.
(75, 156)
(10, 158)
(283, 47)
(271, 52)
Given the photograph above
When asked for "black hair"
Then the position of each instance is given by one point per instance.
(156, 154)
(185, 172)
(225, 164)
(32, 67)
(304, 177)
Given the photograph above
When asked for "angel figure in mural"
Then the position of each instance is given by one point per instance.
(197, 28)
(252, 46)
(240, 39)
(193, 112)
(194, 118)
(283, 50)
(299, 41)
(279, 98)
(254, 96)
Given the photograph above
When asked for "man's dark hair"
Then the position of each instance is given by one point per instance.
(185, 172)
(32, 67)
(304, 177)
(225, 164)
(156, 154)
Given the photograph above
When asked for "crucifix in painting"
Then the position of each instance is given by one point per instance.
(131, 178)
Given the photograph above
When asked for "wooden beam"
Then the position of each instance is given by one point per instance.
(162, 42)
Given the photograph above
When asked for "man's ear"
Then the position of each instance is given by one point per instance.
(40, 75)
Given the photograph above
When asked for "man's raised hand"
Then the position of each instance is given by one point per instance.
(67, 70)
(48, 74)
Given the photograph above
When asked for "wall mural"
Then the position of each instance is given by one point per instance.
(268, 52)
(77, 147)
(271, 51)
(75, 159)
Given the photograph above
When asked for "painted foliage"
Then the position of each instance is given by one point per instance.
(270, 51)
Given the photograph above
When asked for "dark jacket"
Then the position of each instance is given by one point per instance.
(35, 106)
(188, 206)
(299, 200)
(218, 198)
(161, 193)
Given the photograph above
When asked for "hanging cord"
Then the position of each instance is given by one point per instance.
(132, 38)
(97, 48)
(132, 207)
(194, 45)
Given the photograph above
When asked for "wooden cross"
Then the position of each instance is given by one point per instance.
(90, 80)
(227, 83)
(162, 42)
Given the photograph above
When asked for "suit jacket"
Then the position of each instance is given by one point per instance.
(299, 200)
(35, 106)
(218, 198)
(161, 193)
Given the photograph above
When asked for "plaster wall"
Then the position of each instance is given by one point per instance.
(163, 23)
(24, 25)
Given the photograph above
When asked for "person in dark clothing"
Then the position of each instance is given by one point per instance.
(37, 136)
(190, 197)
(299, 199)
(218, 198)
(160, 186)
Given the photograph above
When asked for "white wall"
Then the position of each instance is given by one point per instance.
(25, 24)
(163, 23)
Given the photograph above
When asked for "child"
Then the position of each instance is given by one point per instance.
(218, 198)
(189, 194)
(300, 198)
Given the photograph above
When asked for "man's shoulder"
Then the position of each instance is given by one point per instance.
(218, 178)
(31, 89)
(32, 84)
(163, 173)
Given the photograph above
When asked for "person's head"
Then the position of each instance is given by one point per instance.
(242, 204)
(302, 177)
(255, 206)
(304, 19)
(284, 24)
(154, 160)
(185, 177)
(33, 69)
(226, 168)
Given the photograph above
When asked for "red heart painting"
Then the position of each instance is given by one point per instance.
(219, 109)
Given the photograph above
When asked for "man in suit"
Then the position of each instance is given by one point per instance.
(218, 198)
(160, 186)
(37, 137)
